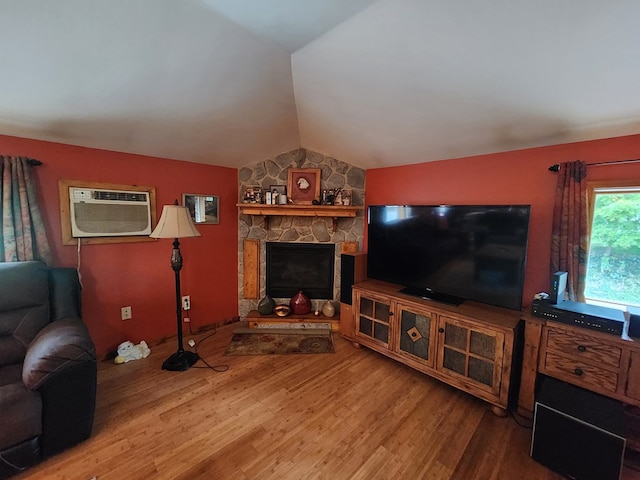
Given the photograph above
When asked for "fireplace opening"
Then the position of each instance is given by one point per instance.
(292, 267)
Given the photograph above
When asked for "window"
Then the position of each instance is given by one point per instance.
(613, 269)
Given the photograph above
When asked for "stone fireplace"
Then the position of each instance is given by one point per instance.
(292, 229)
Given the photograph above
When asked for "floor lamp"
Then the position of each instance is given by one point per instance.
(175, 222)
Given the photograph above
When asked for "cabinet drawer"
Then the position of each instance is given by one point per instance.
(580, 373)
(583, 347)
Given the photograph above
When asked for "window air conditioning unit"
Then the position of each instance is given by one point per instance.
(109, 213)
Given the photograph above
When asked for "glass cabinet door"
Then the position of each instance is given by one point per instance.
(417, 335)
(372, 318)
(471, 352)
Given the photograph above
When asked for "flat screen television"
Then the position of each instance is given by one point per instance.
(451, 253)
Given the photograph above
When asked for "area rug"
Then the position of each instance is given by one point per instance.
(248, 341)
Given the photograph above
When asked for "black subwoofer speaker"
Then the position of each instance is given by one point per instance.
(353, 269)
(578, 433)
(634, 322)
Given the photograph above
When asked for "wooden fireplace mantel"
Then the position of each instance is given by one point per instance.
(332, 211)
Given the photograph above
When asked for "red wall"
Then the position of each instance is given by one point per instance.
(139, 274)
(518, 177)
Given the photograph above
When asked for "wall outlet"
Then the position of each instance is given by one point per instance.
(186, 320)
(186, 302)
(125, 313)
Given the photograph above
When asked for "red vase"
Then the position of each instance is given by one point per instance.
(300, 304)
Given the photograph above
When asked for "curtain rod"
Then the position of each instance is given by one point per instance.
(34, 163)
(556, 167)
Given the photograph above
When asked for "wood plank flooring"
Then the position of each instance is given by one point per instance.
(354, 414)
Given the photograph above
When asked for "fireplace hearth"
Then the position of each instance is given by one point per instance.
(291, 267)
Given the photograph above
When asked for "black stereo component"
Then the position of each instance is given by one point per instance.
(578, 433)
(594, 317)
(634, 322)
(558, 287)
(353, 269)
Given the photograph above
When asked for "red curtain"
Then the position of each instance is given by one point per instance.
(569, 236)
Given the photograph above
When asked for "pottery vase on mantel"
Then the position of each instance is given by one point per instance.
(266, 305)
(300, 304)
(328, 309)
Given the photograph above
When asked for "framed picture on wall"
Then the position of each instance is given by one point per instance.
(204, 209)
(303, 185)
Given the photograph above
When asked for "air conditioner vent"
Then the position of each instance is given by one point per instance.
(119, 196)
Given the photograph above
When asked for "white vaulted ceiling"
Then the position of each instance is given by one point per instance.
(373, 83)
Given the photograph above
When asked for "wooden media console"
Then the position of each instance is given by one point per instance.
(470, 346)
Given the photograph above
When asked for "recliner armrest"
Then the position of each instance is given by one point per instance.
(57, 347)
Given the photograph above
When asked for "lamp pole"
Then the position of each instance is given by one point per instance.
(182, 359)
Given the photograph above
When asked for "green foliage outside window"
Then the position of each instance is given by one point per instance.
(613, 272)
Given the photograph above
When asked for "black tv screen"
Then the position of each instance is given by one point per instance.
(451, 253)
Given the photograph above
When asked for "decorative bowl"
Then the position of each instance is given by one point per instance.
(282, 310)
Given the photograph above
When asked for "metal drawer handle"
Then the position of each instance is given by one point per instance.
(578, 372)
(582, 348)
(441, 330)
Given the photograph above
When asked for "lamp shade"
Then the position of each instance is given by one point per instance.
(175, 222)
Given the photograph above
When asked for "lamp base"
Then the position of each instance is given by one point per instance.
(180, 361)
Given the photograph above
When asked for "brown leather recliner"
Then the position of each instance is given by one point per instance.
(48, 365)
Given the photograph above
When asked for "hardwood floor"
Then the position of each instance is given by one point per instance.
(350, 415)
